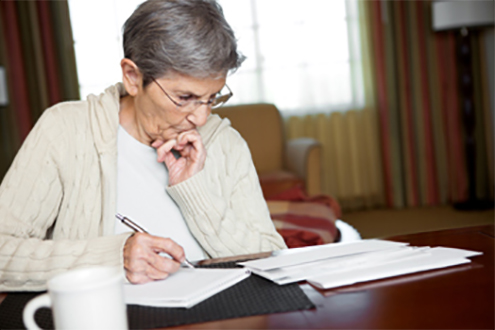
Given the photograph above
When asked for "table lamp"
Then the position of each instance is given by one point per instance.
(466, 17)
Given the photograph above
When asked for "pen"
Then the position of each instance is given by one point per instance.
(137, 228)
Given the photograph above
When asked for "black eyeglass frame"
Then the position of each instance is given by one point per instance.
(214, 103)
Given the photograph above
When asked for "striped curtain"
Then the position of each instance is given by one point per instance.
(416, 84)
(36, 50)
(406, 148)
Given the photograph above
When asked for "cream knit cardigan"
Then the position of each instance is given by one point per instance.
(58, 199)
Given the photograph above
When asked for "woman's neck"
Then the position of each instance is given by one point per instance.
(129, 120)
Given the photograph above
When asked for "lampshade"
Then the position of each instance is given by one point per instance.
(458, 14)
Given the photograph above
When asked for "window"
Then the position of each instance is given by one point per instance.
(303, 56)
(98, 41)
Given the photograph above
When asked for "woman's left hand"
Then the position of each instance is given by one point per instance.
(192, 151)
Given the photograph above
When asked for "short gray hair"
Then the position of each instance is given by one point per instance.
(189, 37)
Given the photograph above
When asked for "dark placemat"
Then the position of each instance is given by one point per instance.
(252, 296)
(11, 311)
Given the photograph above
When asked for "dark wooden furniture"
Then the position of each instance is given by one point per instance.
(459, 297)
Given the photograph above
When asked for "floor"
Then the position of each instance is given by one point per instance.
(383, 223)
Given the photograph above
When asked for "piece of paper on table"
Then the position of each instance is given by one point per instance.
(298, 273)
(433, 258)
(333, 265)
(185, 288)
(322, 252)
(301, 272)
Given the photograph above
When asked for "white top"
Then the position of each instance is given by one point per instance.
(142, 195)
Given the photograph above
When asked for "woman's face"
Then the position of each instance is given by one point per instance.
(157, 118)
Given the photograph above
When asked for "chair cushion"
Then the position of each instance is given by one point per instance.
(276, 182)
(302, 220)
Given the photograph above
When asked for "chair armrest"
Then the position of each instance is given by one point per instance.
(303, 157)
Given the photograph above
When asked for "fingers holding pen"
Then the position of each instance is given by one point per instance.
(142, 262)
(169, 247)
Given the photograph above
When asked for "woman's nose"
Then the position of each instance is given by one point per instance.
(199, 116)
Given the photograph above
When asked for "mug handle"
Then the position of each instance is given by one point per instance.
(32, 306)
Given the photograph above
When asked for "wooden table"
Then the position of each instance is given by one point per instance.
(459, 297)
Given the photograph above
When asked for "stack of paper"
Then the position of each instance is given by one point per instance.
(334, 265)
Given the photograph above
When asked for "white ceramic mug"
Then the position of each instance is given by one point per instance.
(86, 298)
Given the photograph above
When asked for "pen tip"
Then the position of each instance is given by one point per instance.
(119, 216)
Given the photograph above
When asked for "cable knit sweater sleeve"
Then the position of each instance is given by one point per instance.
(223, 204)
(36, 204)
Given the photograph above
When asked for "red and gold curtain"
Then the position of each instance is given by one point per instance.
(36, 50)
(418, 102)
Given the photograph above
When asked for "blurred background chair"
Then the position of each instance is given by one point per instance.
(290, 175)
(280, 164)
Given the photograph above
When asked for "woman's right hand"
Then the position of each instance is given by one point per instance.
(142, 261)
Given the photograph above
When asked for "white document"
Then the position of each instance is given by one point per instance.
(301, 272)
(319, 253)
(427, 259)
(185, 288)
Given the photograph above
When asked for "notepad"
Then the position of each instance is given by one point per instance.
(185, 288)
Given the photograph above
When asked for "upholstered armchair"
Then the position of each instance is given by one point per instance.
(280, 164)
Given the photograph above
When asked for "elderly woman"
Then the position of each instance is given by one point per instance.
(148, 148)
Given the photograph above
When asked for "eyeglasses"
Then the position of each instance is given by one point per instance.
(191, 105)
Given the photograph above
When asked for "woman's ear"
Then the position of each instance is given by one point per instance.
(131, 76)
